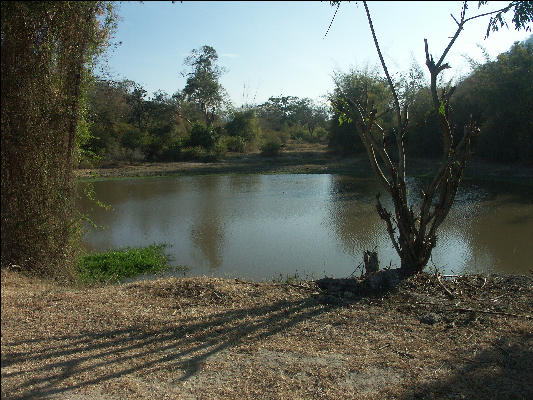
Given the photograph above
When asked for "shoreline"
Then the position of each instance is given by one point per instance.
(218, 338)
(305, 160)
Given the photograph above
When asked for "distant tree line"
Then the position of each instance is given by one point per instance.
(200, 123)
(197, 122)
(498, 93)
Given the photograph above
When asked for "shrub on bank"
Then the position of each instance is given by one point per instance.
(271, 148)
(235, 144)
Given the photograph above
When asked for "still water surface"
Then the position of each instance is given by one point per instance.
(263, 226)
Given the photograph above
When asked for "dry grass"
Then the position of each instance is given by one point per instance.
(211, 338)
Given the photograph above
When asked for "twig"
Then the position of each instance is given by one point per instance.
(438, 369)
(382, 347)
(455, 20)
(470, 285)
(450, 294)
(356, 268)
(331, 23)
(484, 283)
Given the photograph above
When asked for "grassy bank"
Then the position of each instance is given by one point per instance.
(114, 266)
(206, 338)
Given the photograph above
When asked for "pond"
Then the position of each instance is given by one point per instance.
(264, 227)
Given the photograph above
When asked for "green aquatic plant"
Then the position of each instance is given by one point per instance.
(114, 266)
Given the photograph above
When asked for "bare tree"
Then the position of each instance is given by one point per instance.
(414, 234)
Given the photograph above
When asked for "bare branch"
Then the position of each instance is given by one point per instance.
(332, 19)
(368, 141)
(460, 28)
(386, 216)
(389, 80)
(505, 9)
(454, 19)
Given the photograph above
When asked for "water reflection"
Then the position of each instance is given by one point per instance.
(261, 226)
(503, 235)
(353, 218)
(207, 231)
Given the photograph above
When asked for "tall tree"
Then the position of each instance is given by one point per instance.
(203, 87)
(136, 99)
(46, 50)
(413, 234)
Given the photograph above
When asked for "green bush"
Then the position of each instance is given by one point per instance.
(192, 153)
(271, 148)
(114, 266)
(203, 136)
(320, 135)
(244, 125)
(236, 144)
(219, 150)
(131, 136)
(300, 133)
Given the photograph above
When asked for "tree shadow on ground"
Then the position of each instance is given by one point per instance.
(504, 370)
(64, 363)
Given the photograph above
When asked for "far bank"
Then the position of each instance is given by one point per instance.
(303, 159)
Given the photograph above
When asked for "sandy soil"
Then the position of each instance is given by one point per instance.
(206, 338)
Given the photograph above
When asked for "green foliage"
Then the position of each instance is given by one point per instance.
(115, 265)
(522, 16)
(203, 136)
(499, 95)
(424, 138)
(271, 147)
(132, 137)
(236, 144)
(320, 135)
(203, 87)
(372, 92)
(47, 49)
(281, 113)
(193, 153)
(300, 133)
(245, 125)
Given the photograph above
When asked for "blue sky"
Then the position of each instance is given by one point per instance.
(278, 48)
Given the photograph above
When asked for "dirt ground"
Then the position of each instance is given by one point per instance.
(205, 338)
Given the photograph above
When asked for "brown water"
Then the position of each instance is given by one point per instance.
(263, 226)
